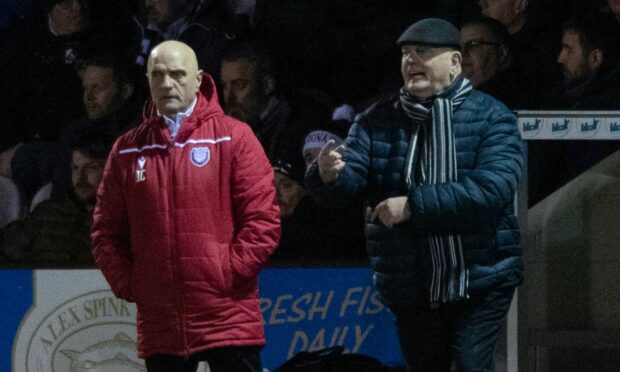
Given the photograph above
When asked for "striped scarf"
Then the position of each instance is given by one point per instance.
(437, 164)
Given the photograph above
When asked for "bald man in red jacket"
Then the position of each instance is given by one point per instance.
(186, 217)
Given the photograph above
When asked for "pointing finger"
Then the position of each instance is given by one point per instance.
(327, 148)
(340, 149)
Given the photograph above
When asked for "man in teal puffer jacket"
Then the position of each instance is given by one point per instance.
(439, 166)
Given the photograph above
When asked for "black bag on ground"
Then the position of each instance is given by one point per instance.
(331, 359)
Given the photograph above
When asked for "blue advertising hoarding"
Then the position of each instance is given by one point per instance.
(56, 320)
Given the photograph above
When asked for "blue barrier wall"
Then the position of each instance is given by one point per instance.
(49, 315)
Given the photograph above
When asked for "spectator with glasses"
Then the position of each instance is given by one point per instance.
(487, 63)
(485, 53)
(533, 40)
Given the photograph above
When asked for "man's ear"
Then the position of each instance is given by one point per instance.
(269, 85)
(457, 58)
(199, 76)
(456, 61)
(127, 91)
(595, 59)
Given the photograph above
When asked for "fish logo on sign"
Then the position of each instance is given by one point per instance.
(140, 176)
(105, 356)
(200, 156)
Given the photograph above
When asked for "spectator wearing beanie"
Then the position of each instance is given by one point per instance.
(310, 232)
(289, 179)
(314, 141)
(342, 117)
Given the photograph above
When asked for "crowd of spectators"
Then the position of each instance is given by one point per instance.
(295, 71)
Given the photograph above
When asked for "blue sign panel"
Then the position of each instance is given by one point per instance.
(303, 310)
(311, 309)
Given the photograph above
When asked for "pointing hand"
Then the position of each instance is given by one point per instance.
(330, 161)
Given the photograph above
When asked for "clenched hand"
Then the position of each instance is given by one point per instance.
(392, 211)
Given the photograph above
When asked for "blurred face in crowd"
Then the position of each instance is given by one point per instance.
(164, 12)
(288, 193)
(483, 57)
(614, 6)
(310, 155)
(243, 96)
(428, 70)
(101, 96)
(86, 174)
(66, 17)
(511, 13)
(576, 63)
(174, 77)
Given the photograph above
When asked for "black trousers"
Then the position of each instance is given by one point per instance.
(222, 359)
(463, 334)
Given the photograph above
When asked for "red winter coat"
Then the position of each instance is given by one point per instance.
(183, 227)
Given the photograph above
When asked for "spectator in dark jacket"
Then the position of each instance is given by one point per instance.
(439, 165)
(487, 63)
(40, 87)
(589, 59)
(311, 232)
(201, 24)
(57, 231)
(39, 83)
(251, 93)
(110, 108)
(485, 50)
(108, 98)
(532, 41)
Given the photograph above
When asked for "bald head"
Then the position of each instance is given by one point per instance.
(174, 49)
(174, 77)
